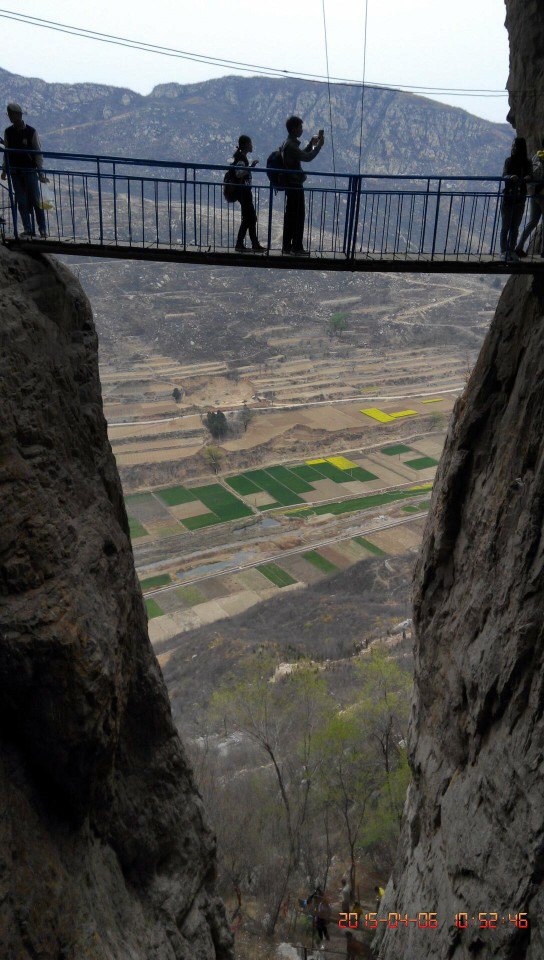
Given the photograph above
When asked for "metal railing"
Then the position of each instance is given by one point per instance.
(151, 205)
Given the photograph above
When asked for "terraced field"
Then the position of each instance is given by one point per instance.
(177, 607)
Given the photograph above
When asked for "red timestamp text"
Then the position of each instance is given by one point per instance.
(490, 920)
(371, 921)
(424, 920)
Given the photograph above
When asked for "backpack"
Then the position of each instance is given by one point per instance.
(275, 167)
(231, 185)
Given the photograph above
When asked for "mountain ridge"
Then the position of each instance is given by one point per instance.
(402, 132)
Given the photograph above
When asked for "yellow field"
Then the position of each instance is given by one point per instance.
(382, 417)
(341, 462)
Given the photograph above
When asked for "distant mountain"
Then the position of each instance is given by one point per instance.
(402, 133)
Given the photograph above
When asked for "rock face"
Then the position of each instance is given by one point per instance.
(473, 832)
(104, 850)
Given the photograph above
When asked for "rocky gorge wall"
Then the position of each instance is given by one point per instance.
(473, 831)
(104, 849)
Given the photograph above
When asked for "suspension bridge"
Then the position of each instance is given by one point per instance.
(158, 210)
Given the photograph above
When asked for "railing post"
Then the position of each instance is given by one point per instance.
(349, 205)
(436, 219)
(185, 210)
(115, 202)
(99, 187)
(269, 227)
(355, 223)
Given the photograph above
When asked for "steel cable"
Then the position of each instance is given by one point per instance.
(329, 87)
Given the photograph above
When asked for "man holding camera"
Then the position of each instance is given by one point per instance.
(25, 170)
(293, 156)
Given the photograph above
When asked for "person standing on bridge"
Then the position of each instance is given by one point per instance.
(244, 195)
(517, 171)
(536, 207)
(25, 171)
(293, 156)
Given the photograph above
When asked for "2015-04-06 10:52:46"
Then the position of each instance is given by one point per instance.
(429, 921)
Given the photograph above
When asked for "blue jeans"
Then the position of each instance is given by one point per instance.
(26, 187)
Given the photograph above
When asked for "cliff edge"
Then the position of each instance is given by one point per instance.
(104, 849)
(473, 832)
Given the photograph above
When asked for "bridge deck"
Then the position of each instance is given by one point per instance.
(361, 263)
(134, 209)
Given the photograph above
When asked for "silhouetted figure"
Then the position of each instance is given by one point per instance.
(245, 196)
(25, 171)
(321, 918)
(518, 170)
(295, 210)
(535, 191)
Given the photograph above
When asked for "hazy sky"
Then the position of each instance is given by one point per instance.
(420, 42)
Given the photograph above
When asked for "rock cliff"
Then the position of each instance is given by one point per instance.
(473, 832)
(104, 849)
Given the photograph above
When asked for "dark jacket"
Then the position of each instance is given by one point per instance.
(18, 140)
(520, 168)
(293, 156)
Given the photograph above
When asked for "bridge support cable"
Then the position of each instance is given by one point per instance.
(363, 90)
(328, 85)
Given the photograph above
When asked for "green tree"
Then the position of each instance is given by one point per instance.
(214, 457)
(176, 393)
(282, 717)
(336, 325)
(348, 778)
(383, 709)
(216, 423)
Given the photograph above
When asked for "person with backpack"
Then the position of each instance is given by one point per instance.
(293, 181)
(25, 170)
(517, 171)
(237, 186)
(322, 916)
(535, 191)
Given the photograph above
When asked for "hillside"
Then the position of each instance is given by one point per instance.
(402, 133)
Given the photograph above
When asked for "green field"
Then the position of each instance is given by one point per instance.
(136, 528)
(417, 507)
(305, 472)
(242, 485)
(204, 520)
(281, 494)
(397, 448)
(359, 473)
(223, 503)
(421, 463)
(364, 503)
(320, 562)
(173, 496)
(371, 547)
(289, 479)
(191, 595)
(284, 484)
(276, 575)
(330, 472)
(159, 581)
(153, 609)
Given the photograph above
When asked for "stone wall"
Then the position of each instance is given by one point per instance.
(473, 832)
(104, 849)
